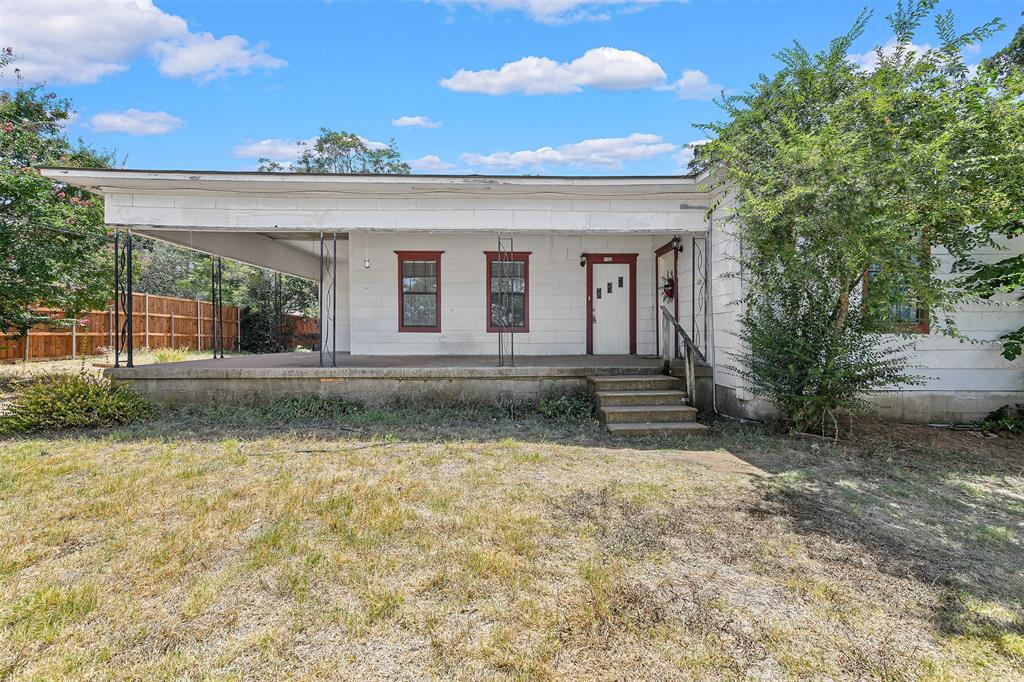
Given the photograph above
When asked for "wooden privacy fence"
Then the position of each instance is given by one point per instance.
(158, 322)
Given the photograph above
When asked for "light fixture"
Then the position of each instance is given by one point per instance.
(583, 260)
(366, 263)
(366, 251)
(677, 243)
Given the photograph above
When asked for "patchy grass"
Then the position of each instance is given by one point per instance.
(320, 541)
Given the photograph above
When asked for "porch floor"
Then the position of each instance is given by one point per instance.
(423, 366)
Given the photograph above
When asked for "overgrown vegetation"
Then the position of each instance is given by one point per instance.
(61, 401)
(162, 355)
(1005, 419)
(848, 179)
(813, 371)
(573, 408)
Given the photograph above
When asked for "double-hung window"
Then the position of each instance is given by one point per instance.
(419, 291)
(508, 291)
(907, 317)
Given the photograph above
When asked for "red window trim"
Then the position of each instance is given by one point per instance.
(629, 259)
(490, 257)
(418, 255)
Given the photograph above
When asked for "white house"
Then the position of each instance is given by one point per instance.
(429, 266)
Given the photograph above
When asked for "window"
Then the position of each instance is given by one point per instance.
(419, 291)
(909, 317)
(508, 291)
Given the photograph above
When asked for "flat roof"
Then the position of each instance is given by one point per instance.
(114, 180)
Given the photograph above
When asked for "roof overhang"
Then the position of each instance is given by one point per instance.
(102, 181)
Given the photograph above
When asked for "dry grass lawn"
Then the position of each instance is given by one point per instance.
(429, 543)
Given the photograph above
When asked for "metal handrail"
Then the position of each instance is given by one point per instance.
(691, 348)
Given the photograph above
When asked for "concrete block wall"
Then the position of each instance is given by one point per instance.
(525, 213)
(557, 292)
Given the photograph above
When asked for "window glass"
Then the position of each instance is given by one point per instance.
(508, 293)
(419, 293)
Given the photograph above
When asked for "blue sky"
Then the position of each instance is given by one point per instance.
(211, 85)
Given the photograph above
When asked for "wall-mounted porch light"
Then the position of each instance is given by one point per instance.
(583, 260)
(677, 243)
(366, 263)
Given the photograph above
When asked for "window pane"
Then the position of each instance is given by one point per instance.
(508, 276)
(508, 269)
(419, 310)
(508, 310)
(419, 276)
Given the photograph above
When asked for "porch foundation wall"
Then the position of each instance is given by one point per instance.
(375, 391)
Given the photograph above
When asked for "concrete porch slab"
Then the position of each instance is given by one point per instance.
(374, 378)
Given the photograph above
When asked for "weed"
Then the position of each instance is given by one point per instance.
(59, 401)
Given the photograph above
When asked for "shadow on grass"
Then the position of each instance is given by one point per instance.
(944, 507)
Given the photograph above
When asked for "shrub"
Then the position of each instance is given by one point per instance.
(574, 408)
(162, 355)
(59, 401)
(1004, 419)
(813, 369)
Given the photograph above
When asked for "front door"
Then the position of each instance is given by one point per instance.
(611, 305)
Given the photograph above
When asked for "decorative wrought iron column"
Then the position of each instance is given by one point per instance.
(329, 298)
(217, 306)
(123, 307)
(699, 303)
(505, 305)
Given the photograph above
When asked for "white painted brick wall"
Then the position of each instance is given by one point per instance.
(557, 296)
(268, 211)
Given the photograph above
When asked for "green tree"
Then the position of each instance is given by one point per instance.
(342, 152)
(838, 170)
(1006, 275)
(52, 236)
(1010, 59)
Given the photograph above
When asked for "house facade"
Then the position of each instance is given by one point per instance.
(422, 265)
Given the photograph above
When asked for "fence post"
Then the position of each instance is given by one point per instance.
(199, 326)
(27, 332)
(146, 298)
(110, 326)
(172, 324)
(238, 325)
(74, 340)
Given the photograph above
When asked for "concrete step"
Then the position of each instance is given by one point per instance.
(631, 414)
(634, 382)
(668, 397)
(657, 429)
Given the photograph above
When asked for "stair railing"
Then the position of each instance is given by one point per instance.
(677, 345)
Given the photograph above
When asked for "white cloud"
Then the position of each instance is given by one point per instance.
(607, 152)
(72, 41)
(135, 122)
(415, 121)
(205, 57)
(273, 148)
(685, 155)
(869, 60)
(559, 11)
(605, 68)
(431, 163)
(280, 149)
(694, 84)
